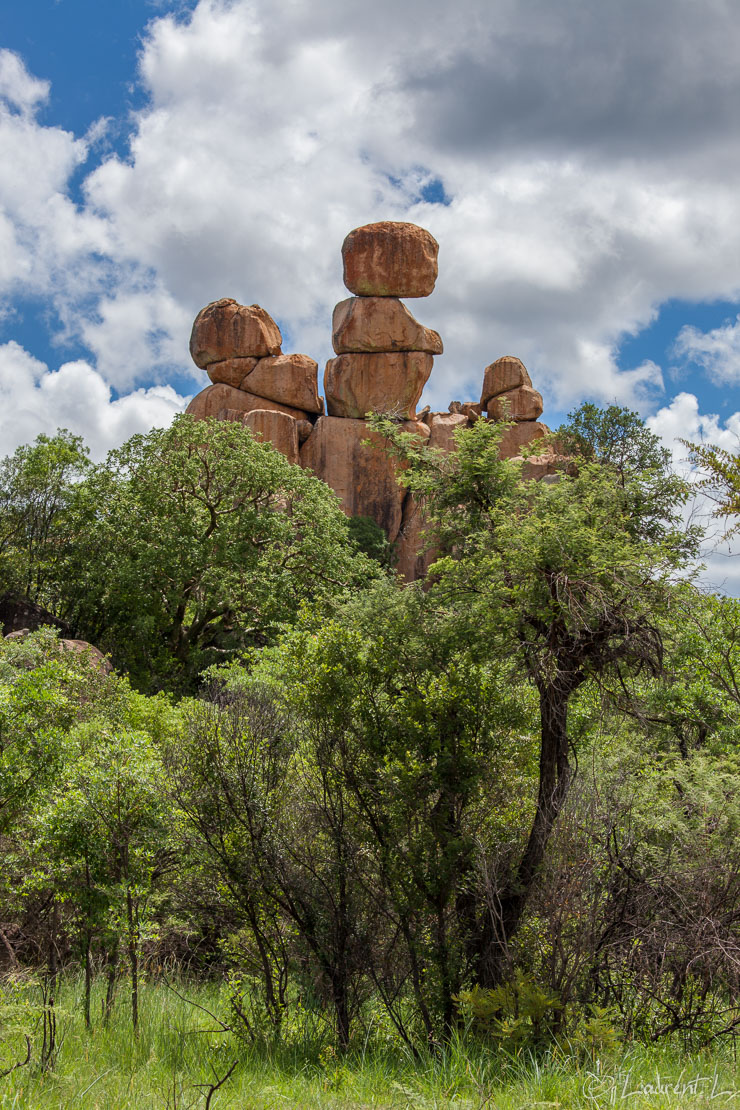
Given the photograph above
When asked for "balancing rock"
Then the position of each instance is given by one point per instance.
(357, 384)
(226, 329)
(231, 371)
(372, 324)
(390, 260)
(215, 398)
(288, 379)
(523, 403)
(502, 375)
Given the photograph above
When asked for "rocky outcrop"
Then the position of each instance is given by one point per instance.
(390, 260)
(384, 357)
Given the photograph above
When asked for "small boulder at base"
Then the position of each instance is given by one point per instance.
(95, 657)
(520, 435)
(523, 403)
(363, 477)
(226, 329)
(214, 398)
(231, 371)
(355, 385)
(288, 379)
(371, 324)
(390, 260)
(276, 428)
(507, 372)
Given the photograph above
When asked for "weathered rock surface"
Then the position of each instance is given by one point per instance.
(226, 329)
(523, 403)
(215, 399)
(472, 411)
(305, 427)
(276, 428)
(364, 478)
(520, 435)
(390, 259)
(505, 373)
(370, 324)
(288, 379)
(357, 384)
(93, 654)
(414, 554)
(443, 426)
(231, 371)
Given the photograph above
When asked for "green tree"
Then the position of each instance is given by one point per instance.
(193, 542)
(37, 485)
(562, 584)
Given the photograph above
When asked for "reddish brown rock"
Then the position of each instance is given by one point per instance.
(355, 385)
(305, 427)
(520, 435)
(94, 656)
(371, 324)
(390, 260)
(443, 427)
(363, 477)
(505, 373)
(276, 428)
(288, 379)
(472, 411)
(418, 427)
(226, 329)
(231, 371)
(214, 399)
(523, 403)
(414, 551)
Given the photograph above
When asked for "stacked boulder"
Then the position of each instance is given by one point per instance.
(275, 395)
(508, 395)
(384, 358)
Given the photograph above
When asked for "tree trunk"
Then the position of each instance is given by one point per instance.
(554, 782)
(133, 955)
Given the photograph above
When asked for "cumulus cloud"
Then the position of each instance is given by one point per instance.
(717, 351)
(34, 399)
(586, 155)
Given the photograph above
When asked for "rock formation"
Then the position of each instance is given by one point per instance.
(383, 360)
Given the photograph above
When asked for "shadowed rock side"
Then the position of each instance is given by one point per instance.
(384, 359)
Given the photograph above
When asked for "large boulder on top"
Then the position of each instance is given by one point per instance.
(288, 379)
(372, 324)
(226, 329)
(504, 374)
(276, 428)
(363, 477)
(215, 399)
(390, 259)
(355, 385)
(524, 403)
(231, 371)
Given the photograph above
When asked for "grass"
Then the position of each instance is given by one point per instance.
(180, 1047)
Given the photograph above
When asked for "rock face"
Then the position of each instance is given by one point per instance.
(355, 385)
(276, 428)
(363, 478)
(443, 426)
(226, 329)
(520, 435)
(371, 324)
(390, 260)
(288, 379)
(215, 399)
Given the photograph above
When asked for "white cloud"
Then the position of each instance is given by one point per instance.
(34, 399)
(716, 351)
(589, 154)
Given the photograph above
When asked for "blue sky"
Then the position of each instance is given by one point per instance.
(576, 161)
